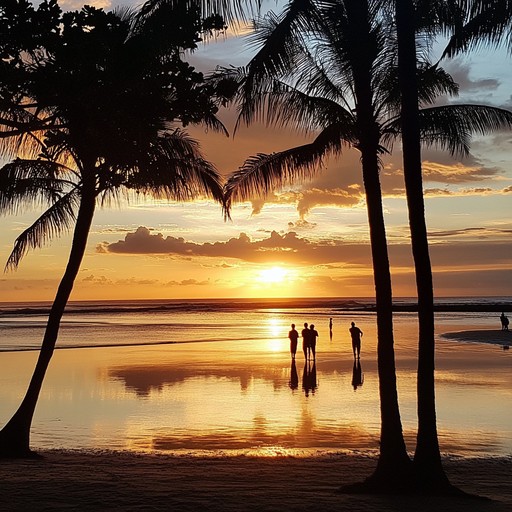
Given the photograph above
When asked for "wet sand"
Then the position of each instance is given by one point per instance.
(68, 480)
(492, 336)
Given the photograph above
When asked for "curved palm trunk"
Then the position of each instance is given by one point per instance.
(427, 457)
(393, 468)
(15, 436)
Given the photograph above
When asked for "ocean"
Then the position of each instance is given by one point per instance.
(117, 323)
(216, 376)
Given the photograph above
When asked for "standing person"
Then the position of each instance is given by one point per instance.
(504, 321)
(330, 324)
(313, 335)
(293, 335)
(356, 335)
(305, 340)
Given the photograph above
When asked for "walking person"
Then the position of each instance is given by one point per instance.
(293, 335)
(356, 335)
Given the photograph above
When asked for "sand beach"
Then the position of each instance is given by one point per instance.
(121, 481)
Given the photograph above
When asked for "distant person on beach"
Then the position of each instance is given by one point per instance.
(293, 335)
(355, 334)
(313, 335)
(504, 321)
(330, 324)
(305, 340)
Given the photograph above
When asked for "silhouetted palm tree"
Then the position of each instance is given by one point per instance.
(331, 68)
(442, 16)
(95, 119)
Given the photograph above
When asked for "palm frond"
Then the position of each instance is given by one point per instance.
(263, 173)
(177, 170)
(32, 183)
(488, 22)
(287, 106)
(452, 126)
(55, 220)
(232, 12)
(280, 42)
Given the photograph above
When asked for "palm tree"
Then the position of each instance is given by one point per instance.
(100, 107)
(442, 16)
(427, 456)
(331, 68)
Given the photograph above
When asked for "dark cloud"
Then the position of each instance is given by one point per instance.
(479, 232)
(461, 73)
(482, 248)
(287, 247)
(336, 197)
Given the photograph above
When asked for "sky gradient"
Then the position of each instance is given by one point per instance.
(304, 241)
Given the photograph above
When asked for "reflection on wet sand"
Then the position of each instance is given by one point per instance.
(241, 395)
(309, 382)
(144, 379)
(357, 374)
(294, 376)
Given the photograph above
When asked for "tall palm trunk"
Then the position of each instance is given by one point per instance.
(427, 457)
(394, 464)
(15, 436)
(393, 467)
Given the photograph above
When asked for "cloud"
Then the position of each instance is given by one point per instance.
(480, 232)
(463, 248)
(189, 282)
(336, 197)
(74, 5)
(477, 191)
(456, 172)
(461, 71)
(286, 247)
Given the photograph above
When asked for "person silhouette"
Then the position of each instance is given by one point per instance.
(504, 321)
(293, 335)
(357, 374)
(305, 340)
(355, 334)
(313, 335)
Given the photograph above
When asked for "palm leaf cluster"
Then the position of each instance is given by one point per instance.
(303, 76)
(100, 96)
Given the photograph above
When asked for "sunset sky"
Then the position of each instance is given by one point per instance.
(307, 241)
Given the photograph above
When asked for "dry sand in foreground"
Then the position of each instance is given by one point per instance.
(126, 481)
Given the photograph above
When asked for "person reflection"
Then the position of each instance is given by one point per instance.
(309, 383)
(357, 374)
(294, 376)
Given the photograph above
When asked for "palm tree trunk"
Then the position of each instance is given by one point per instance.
(393, 468)
(427, 457)
(15, 436)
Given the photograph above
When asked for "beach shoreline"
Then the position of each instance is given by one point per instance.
(103, 480)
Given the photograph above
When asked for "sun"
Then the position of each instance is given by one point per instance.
(273, 275)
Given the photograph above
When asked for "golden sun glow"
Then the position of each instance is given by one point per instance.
(273, 275)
